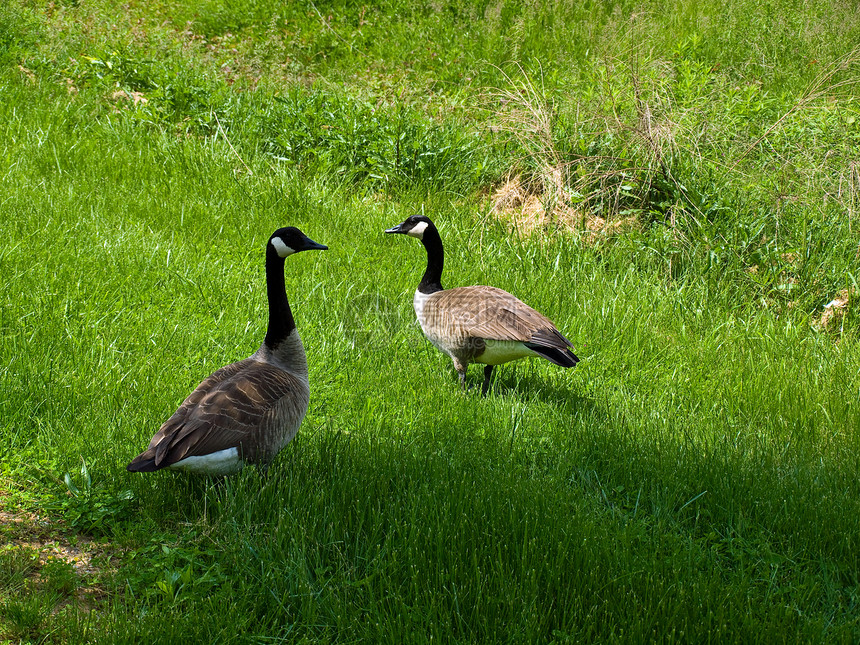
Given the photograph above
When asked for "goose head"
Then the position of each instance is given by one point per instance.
(414, 226)
(288, 240)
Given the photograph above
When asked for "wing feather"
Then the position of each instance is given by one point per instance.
(223, 411)
(489, 313)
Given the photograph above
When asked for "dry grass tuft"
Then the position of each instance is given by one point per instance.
(832, 318)
(592, 192)
(522, 206)
(631, 145)
(129, 97)
(28, 73)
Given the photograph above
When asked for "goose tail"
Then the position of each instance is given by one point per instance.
(143, 463)
(564, 357)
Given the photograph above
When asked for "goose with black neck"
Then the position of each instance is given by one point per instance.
(247, 411)
(478, 324)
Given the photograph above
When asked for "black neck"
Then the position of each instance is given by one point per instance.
(432, 280)
(281, 321)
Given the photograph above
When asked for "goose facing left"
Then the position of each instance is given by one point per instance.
(478, 324)
(247, 411)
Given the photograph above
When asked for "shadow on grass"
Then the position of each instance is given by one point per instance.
(522, 382)
(531, 387)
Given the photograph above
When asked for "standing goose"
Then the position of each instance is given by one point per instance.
(247, 411)
(478, 324)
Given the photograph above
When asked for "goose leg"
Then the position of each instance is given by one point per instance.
(488, 373)
(460, 366)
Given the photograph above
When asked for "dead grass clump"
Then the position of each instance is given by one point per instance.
(131, 98)
(510, 196)
(28, 73)
(832, 318)
(523, 206)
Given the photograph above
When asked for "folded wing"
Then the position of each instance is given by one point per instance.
(221, 413)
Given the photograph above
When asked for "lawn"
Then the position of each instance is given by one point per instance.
(676, 186)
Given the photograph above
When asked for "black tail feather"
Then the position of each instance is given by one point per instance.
(563, 357)
(142, 465)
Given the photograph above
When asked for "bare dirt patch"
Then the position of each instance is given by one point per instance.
(50, 540)
(29, 531)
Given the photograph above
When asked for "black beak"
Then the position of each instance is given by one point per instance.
(396, 229)
(310, 245)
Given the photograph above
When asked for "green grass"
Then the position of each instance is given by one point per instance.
(694, 479)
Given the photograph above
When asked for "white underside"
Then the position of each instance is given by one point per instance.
(502, 351)
(223, 462)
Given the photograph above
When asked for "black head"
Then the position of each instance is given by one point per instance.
(289, 240)
(415, 226)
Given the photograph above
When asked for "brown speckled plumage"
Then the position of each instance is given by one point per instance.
(487, 313)
(478, 324)
(254, 406)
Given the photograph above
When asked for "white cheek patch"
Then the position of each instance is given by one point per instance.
(418, 230)
(282, 249)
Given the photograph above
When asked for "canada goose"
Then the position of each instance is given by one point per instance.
(478, 324)
(247, 411)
